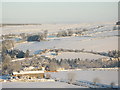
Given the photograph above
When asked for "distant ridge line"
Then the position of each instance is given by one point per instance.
(18, 24)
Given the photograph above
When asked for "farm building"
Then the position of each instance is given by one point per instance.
(29, 74)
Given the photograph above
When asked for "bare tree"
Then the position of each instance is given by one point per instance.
(56, 51)
(112, 84)
(27, 53)
(45, 33)
(96, 80)
(6, 64)
(71, 77)
(70, 32)
(6, 58)
(23, 35)
(16, 66)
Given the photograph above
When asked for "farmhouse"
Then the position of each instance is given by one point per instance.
(29, 74)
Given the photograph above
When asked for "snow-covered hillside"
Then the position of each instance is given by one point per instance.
(100, 39)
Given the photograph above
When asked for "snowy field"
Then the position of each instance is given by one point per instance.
(73, 55)
(38, 85)
(83, 56)
(50, 27)
(105, 77)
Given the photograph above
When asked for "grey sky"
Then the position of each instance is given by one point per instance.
(59, 12)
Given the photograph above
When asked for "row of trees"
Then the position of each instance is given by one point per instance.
(114, 53)
(8, 36)
(77, 63)
(54, 64)
(77, 31)
(70, 32)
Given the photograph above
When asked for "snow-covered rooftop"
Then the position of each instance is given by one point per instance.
(28, 72)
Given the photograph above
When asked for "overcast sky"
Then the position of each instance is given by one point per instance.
(59, 12)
